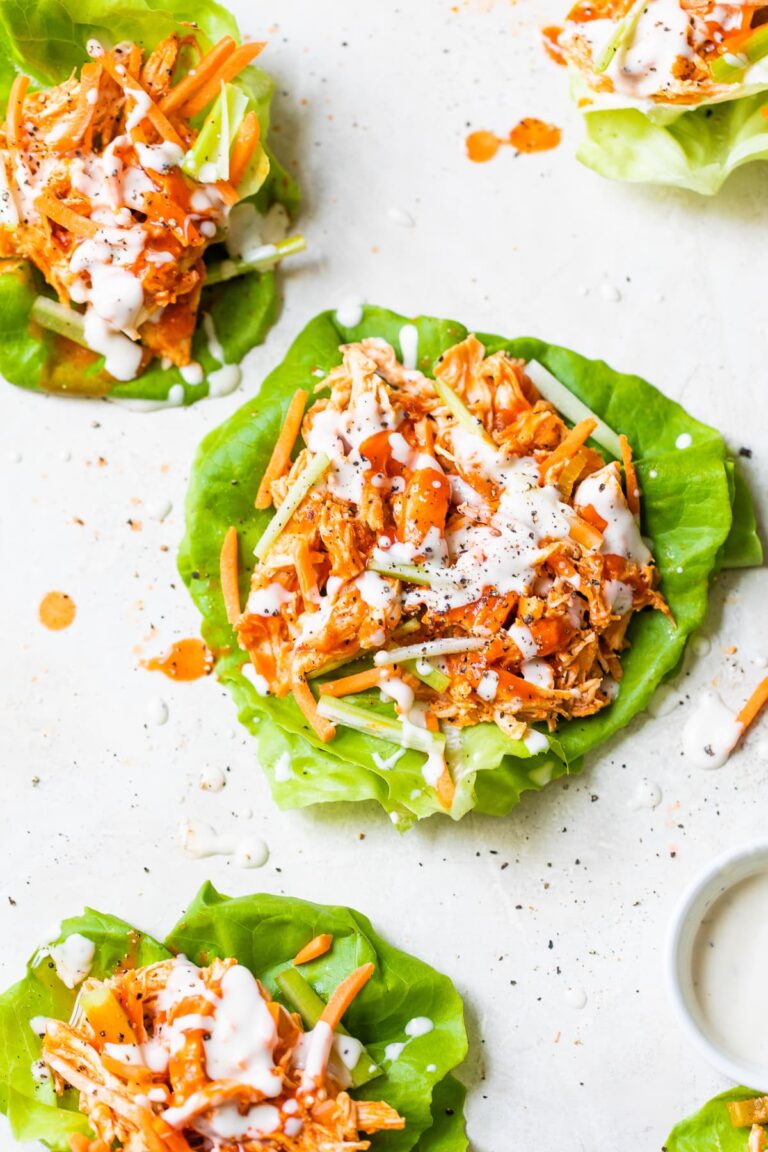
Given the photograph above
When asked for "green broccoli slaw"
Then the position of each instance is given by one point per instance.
(697, 515)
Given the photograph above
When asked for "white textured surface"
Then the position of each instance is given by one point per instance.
(570, 897)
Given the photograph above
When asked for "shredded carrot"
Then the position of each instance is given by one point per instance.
(230, 588)
(229, 69)
(246, 143)
(302, 559)
(198, 75)
(317, 947)
(302, 694)
(346, 992)
(359, 682)
(13, 122)
(630, 476)
(576, 439)
(281, 453)
(65, 216)
(129, 83)
(589, 513)
(754, 705)
(584, 533)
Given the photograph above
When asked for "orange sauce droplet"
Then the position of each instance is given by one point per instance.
(552, 47)
(482, 146)
(532, 135)
(57, 611)
(184, 660)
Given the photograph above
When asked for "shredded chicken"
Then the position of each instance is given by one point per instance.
(504, 533)
(174, 1058)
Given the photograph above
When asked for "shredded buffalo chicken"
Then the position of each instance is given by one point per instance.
(175, 1058)
(495, 548)
(92, 191)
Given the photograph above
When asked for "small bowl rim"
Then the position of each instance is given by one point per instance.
(722, 874)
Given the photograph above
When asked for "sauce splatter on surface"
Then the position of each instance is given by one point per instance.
(57, 611)
(530, 135)
(551, 35)
(185, 660)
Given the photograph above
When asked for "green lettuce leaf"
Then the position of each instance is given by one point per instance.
(691, 499)
(34, 1111)
(710, 1129)
(47, 40)
(262, 932)
(696, 148)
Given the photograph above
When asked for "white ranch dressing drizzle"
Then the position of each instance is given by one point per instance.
(711, 732)
(409, 346)
(621, 535)
(268, 601)
(73, 958)
(728, 970)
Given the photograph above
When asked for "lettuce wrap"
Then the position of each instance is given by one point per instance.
(669, 95)
(263, 933)
(48, 43)
(697, 514)
(711, 1127)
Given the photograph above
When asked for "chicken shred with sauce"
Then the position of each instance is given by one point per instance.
(677, 52)
(495, 548)
(92, 192)
(176, 1058)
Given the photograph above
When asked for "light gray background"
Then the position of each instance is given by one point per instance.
(374, 101)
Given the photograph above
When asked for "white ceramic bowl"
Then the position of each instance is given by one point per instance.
(719, 877)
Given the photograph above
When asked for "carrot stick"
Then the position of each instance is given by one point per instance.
(230, 68)
(230, 588)
(13, 123)
(575, 439)
(754, 705)
(281, 453)
(302, 694)
(359, 682)
(317, 947)
(61, 214)
(158, 120)
(630, 476)
(344, 995)
(198, 75)
(584, 534)
(246, 143)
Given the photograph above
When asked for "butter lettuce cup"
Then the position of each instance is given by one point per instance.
(142, 211)
(437, 568)
(671, 92)
(261, 1024)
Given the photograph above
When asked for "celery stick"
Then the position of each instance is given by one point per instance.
(309, 477)
(270, 254)
(372, 724)
(570, 406)
(461, 413)
(729, 68)
(303, 999)
(621, 36)
(410, 573)
(428, 674)
(57, 318)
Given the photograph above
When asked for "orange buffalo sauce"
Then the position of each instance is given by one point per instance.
(57, 611)
(551, 35)
(184, 660)
(530, 135)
